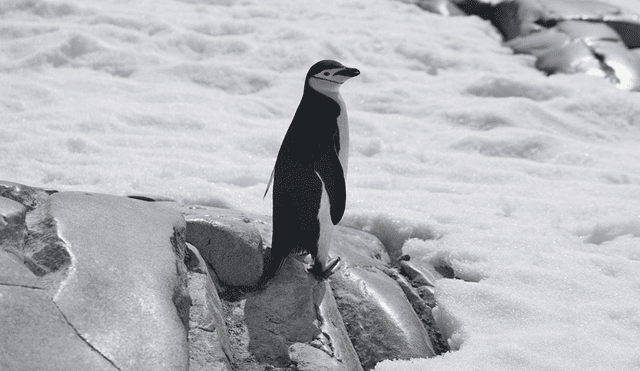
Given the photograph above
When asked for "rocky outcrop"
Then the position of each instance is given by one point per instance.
(99, 282)
(296, 308)
(106, 290)
(565, 36)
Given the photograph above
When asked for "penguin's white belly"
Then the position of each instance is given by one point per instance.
(326, 227)
(343, 128)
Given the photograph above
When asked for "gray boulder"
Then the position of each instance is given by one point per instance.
(231, 242)
(295, 308)
(106, 287)
(379, 319)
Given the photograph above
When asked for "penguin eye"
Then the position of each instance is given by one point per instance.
(326, 73)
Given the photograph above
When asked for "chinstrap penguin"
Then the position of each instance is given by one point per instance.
(309, 189)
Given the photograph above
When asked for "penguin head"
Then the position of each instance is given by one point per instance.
(328, 75)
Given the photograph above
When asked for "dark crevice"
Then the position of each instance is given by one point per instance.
(23, 286)
(83, 339)
(181, 298)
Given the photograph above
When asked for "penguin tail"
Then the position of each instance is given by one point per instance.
(272, 265)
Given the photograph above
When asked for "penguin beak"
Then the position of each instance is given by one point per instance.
(349, 72)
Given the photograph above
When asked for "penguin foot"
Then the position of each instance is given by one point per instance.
(323, 274)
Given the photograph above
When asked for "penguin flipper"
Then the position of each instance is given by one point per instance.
(330, 172)
(269, 184)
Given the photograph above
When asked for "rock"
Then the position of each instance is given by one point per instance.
(30, 197)
(442, 7)
(126, 293)
(624, 64)
(295, 308)
(230, 241)
(282, 314)
(209, 344)
(232, 248)
(539, 43)
(418, 275)
(261, 222)
(36, 336)
(333, 328)
(307, 358)
(14, 273)
(423, 309)
(627, 26)
(13, 228)
(44, 252)
(380, 321)
(356, 247)
(590, 37)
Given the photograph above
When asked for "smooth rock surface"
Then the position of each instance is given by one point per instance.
(126, 293)
(35, 336)
(380, 321)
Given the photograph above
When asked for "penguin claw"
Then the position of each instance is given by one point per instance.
(321, 274)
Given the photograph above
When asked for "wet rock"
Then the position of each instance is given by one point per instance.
(418, 275)
(126, 294)
(13, 228)
(37, 337)
(209, 344)
(422, 308)
(380, 321)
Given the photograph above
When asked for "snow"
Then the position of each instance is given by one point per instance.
(527, 186)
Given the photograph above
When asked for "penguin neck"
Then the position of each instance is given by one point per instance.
(325, 87)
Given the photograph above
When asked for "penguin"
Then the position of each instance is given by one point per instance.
(309, 188)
